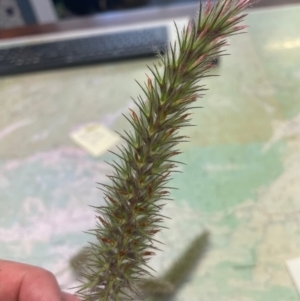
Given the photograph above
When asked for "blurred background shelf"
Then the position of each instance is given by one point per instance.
(16, 13)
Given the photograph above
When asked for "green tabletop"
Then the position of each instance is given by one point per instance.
(241, 181)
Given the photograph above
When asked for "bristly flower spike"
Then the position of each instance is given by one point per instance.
(116, 266)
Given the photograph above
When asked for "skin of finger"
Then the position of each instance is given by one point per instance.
(22, 282)
(69, 297)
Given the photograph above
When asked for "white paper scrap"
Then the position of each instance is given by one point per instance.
(95, 138)
(293, 266)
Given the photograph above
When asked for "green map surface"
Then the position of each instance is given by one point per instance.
(241, 180)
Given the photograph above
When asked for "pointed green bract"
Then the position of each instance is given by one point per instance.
(127, 224)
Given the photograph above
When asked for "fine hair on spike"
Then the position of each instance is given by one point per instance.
(126, 226)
